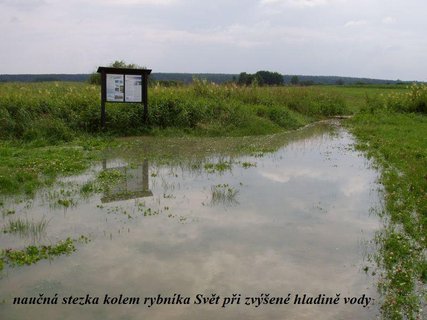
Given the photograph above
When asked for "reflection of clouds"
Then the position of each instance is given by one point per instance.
(302, 236)
(283, 175)
(355, 185)
(201, 265)
(243, 218)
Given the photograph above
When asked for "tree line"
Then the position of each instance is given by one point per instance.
(261, 78)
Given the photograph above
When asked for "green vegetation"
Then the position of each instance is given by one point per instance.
(108, 178)
(104, 182)
(218, 167)
(260, 78)
(413, 100)
(95, 77)
(206, 109)
(389, 131)
(223, 194)
(33, 254)
(294, 80)
(218, 78)
(26, 167)
(26, 228)
(247, 164)
(52, 113)
(51, 129)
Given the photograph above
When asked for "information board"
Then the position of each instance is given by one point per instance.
(123, 85)
(115, 88)
(133, 88)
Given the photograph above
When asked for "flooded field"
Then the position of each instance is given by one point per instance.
(283, 215)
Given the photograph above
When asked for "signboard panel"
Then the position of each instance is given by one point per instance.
(124, 85)
(133, 88)
(115, 88)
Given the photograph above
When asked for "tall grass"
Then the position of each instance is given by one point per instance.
(56, 112)
(413, 100)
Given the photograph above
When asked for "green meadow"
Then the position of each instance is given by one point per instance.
(392, 129)
(48, 130)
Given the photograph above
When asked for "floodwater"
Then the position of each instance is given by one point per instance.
(207, 220)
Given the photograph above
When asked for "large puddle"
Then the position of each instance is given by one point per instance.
(206, 219)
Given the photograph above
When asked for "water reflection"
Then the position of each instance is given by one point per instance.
(135, 183)
(293, 221)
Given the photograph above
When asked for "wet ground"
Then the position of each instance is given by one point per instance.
(279, 215)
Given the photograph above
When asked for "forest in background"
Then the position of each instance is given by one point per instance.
(218, 78)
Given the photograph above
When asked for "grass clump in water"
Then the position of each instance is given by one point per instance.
(220, 166)
(26, 228)
(223, 194)
(33, 254)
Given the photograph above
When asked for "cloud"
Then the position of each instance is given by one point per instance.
(388, 20)
(14, 19)
(355, 185)
(236, 35)
(227, 36)
(298, 3)
(355, 23)
(289, 36)
(23, 4)
(111, 3)
(284, 175)
(139, 2)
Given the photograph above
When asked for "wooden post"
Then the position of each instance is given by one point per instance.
(145, 98)
(103, 98)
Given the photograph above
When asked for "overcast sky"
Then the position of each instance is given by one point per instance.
(362, 38)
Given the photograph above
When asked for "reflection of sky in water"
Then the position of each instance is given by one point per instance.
(300, 225)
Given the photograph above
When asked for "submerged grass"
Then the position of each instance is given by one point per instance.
(26, 228)
(220, 166)
(223, 194)
(25, 167)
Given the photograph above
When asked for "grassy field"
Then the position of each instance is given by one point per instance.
(356, 97)
(398, 143)
(392, 129)
(53, 129)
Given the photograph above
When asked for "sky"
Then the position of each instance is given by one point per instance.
(382, 39)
